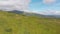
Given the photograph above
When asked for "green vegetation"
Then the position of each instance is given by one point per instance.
(11, 23)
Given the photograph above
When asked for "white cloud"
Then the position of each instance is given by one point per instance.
(50, 12)
(47, 12)
(57, 13)
(49, 1)
(14, 4)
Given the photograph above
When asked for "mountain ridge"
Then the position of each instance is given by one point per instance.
(34, 14)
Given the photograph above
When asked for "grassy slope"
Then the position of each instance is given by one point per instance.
(20, 24)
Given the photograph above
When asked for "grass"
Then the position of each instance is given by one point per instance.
(11, 23)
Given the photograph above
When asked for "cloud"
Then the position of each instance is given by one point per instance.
(50, 12)
(49, 1)
(14, 4)
(47, 12)
(57, 13)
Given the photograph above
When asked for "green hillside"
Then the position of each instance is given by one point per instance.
(11, 23)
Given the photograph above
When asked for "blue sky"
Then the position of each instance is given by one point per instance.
(41, 6)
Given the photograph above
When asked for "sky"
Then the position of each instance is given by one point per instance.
(14, 4)
(46, 7)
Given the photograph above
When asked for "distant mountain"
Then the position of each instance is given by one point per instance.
(43, 16)
(34, 14)
(57, 16)
(16, 11)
